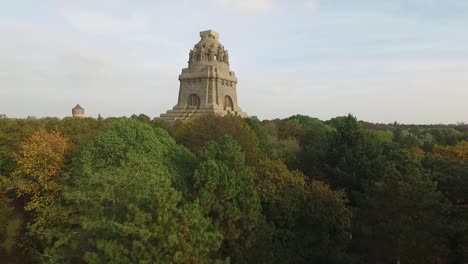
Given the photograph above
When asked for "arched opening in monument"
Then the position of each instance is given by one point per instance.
(193, 101)
(228, 105)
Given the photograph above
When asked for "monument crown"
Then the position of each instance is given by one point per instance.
(209, 33)
(208, 50)
(207, 85)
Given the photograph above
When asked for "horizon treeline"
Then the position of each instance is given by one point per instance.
(232, 190)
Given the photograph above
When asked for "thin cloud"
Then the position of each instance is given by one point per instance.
(245, 6)
(119, 57)
(96, 22)
(312, 4)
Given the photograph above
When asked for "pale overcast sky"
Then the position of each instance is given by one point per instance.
(381, 60)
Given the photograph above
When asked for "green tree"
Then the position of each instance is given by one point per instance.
(226, 192)
(127, 136)
(451, 175)
(142, 117)
(261, 133)
(196, 134)
(354, 157)
(122, 207)
(315, 146)
(324, 227)
(281, 193)
(10, 226)
(401, 218)
(284, 137)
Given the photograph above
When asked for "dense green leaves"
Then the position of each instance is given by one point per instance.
(324, 227)
(403, 215)
(198, 132)
(130, 214)
(131, 137)
(226, 193)
(122, 206)
(297, 190)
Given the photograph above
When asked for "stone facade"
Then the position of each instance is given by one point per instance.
(78, 111)
(207, 86)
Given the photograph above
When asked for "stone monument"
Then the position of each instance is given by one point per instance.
(207, 86)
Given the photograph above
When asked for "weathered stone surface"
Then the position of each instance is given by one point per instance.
(207, 86)
(78, 111)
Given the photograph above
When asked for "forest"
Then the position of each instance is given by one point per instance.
(232, 190)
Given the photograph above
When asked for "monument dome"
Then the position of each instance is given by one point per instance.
(207, 86)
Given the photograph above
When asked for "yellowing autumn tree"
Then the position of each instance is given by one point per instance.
(40, 165)
(459, 151)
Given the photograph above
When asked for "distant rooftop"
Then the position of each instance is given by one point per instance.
(77, 107)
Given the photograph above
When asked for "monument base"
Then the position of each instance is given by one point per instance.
(185, 115)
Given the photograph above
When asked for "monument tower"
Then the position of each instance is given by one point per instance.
(207, 86)
(78, 111)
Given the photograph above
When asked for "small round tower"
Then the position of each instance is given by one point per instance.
(78, 111)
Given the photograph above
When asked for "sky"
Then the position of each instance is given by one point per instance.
(383, 61)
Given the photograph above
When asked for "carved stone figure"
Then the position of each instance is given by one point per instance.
(191, 56)
(226, 57)
(202, 53)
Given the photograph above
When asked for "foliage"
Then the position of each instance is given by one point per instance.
(324, 227)
(13, 132)
(40, 168)
(354, 156)
(200, 131)
(451, 175)
(122, 208)
(261, 133)
(459, 151)
(315, 148)
(226, 193)
(283, 139)
(402, 216)
(121, 190)
(10, 224)
(281, 192)
(129, 136)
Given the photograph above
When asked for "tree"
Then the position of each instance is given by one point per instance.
(200, 131)
(407, 138)
(459, 151)
(402, 217)
(12, 133)
(451, 175)
(79, 131)
(127, 136)
(122, 206)
(324, 227)
(283, 139)
(142, 117)
(354, 157)
(261, 133)
(40, 168)
(315, 146)
(10, 224)
(281, 193)
(226, 192)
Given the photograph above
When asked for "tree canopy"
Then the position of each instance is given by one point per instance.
(232, 190)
